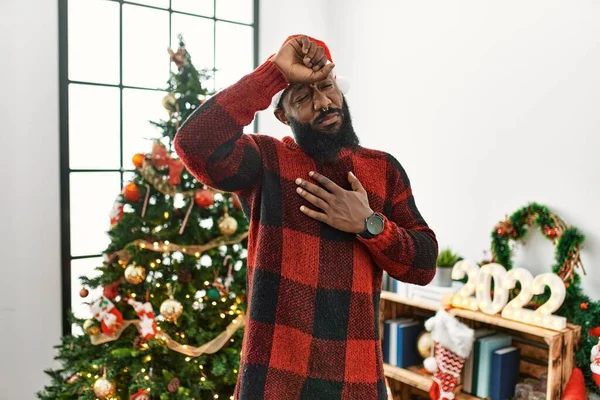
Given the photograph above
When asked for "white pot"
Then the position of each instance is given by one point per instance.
(443, 277)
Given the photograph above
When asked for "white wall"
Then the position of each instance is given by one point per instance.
(488, 105)
(30, 310)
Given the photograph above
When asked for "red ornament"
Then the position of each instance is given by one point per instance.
(584, 306)
(501, 231)
(132, 193)
(141, 394)
(551, 233)
(175, 169)
(84, 293)
(204, 198)
(160, 156)
(236, 202)
(138, 160)
(111, 291)
(595, 332)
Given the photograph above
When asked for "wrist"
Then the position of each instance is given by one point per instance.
(361, 225)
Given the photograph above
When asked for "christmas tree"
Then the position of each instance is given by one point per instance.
(173, 280)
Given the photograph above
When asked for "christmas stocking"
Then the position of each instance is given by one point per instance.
(104, 311)
(595, 363)
(147, 324)
(453, 344)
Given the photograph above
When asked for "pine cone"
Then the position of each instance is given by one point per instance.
(173, 386)
(184, 275)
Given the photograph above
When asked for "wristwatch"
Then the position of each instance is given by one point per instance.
(373, 226)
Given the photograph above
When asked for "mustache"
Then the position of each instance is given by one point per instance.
(324, 114)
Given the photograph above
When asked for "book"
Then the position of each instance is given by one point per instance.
(390, 340)
(468, 369)
(408, 333)
(487, 346)
(504, 373)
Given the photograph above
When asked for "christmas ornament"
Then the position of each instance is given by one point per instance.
(204, 198)
(112, 290)
(551, 233)
(131, 193)
(575, 389)
(138, 342)
(142, 394)
(104, 388)
(135, 274)
(84, 293)
(173, 386)
(138, 160)
(453, 343)
(584, 306)
(91, 327)
(104, 311)
(169, 102)
(424, 344)
(160, 156)
(175, 169)
(171, 309)
(117, 212)
(228, 225)
(147, 324)
(178, 58)
(213, 294)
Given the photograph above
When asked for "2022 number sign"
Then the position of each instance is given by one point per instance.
(479, 283)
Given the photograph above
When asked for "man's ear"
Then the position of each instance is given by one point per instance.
(280, 115)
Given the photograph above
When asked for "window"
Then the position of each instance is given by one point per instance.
(114, 69)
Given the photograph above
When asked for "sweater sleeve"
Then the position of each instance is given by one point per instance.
(407, 248)
(211, 142)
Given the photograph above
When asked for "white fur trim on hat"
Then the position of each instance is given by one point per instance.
(451, 333)
(342, 83)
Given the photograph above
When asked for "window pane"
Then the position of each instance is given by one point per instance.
(140, 107)
(235, 53)
(93, 127)
(199, 36)
(92, 198)
(145, 42)
(84, 267)
(94, 41)
(236, 10)
(155, 3)
(200, 7)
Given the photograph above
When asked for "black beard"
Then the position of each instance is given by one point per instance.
(322, 145)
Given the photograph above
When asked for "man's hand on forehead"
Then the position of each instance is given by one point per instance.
(303, 61)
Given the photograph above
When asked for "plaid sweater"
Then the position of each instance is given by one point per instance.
(313, 329)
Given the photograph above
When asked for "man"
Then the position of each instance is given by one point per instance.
(327, 217)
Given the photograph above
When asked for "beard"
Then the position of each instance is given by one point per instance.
(325, 145)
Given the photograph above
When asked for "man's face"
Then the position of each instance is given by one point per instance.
(319, 104)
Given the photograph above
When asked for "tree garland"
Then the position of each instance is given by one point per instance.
(578, 308)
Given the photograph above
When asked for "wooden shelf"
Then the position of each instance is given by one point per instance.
(495, 320)
(544, 351)
(414, 378)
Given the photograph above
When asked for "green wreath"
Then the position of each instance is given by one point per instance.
(577, 307)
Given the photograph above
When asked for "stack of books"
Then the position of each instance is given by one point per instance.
(430, 294)
(492, 369)
(400, 342)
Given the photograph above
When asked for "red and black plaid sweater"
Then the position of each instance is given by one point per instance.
(313, 291)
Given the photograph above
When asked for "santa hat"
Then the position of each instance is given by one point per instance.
(342, 83)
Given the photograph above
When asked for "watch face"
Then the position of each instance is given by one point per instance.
(375, 225)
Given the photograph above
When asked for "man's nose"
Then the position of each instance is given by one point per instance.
(320, 100)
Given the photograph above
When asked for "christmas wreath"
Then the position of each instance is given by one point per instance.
(568, 240)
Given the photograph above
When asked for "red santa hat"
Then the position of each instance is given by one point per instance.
(342, 83)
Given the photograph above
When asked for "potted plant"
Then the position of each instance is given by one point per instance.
(445, 261)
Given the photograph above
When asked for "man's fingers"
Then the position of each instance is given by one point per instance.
(355, 183)
(318, 59)
(317, 201)
(327, 183)
(305, 44)
(314, 189)
(314, 214)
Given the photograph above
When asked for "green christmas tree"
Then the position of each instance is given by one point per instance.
(169, 324)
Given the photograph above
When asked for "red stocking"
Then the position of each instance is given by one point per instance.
(446, 377)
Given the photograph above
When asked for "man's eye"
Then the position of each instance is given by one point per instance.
(329, 85)
(301, 99)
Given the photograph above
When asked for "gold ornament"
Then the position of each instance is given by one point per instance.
(135, 274)
(171, 309)
(228, 225)
(91, 327)
(169, 102)
(104, 388)
(424, 344)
